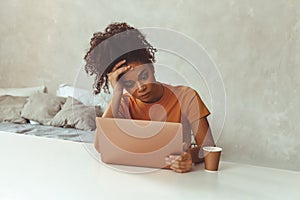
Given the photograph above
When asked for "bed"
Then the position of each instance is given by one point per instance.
(67, 115)
(49, 131)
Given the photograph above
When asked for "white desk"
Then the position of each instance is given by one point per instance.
(35, 168)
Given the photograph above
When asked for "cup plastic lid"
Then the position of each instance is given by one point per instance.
(212, 149)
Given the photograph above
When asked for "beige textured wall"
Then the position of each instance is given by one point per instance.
(255, 44)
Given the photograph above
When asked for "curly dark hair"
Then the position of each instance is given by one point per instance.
(119, 41)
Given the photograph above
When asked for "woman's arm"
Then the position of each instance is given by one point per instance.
(113, 107)
(113, 77)
(110, 112)
(203, 137)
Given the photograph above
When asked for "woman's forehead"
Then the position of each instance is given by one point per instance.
(137, 64)
(135, 71)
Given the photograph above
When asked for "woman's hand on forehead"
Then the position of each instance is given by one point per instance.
(118, 65)
(114, 75)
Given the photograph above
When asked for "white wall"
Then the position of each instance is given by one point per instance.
(255, 45)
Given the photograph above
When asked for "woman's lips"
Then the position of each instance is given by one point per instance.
(145, 95)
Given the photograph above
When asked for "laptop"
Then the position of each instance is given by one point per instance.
(138, 142)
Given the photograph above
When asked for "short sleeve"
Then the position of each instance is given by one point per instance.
(195, 108)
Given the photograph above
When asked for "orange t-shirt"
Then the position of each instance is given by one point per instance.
(178, 104)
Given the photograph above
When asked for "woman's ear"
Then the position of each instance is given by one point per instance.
(152, 67)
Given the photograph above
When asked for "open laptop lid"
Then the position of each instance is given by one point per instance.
(138, 142)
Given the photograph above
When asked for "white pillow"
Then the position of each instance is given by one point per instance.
(22, 92)
(87, 97)
(33, 122)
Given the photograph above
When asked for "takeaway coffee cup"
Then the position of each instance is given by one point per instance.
(212, 157)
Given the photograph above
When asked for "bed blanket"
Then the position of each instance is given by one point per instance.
(49, 131)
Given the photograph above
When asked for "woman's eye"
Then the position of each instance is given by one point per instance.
(145, 76)
(128, 84)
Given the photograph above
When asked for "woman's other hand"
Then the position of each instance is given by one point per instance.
(115, 73)
(180, 163)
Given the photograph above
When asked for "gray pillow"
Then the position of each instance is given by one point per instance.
(10, 109)
(42, 107)
(76, 115)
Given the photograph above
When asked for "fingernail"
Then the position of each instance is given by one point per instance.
(174, 156)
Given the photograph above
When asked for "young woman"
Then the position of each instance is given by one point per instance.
(122, 57)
